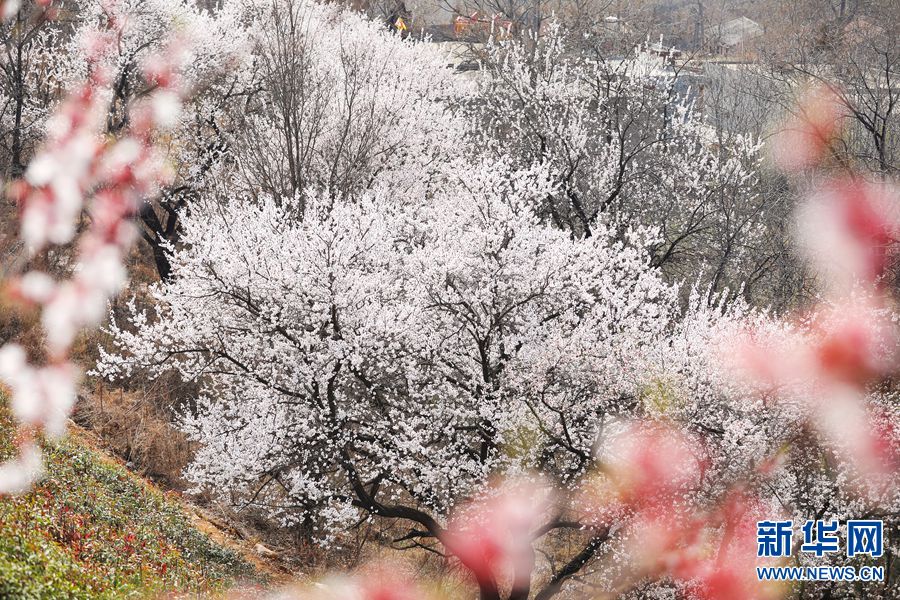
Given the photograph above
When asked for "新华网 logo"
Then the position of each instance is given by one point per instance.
(862, 538)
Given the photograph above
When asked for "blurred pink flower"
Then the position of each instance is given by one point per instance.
(78, 165)
(492, 536)
(648, 463)
(848, 229)
(805, 139)
(729, 570)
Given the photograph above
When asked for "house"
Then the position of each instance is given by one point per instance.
(482, 25)
(735, 36)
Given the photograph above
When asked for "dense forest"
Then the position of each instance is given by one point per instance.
(503, 299)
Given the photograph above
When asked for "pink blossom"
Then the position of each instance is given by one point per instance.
(19, 474)
(729, 570)
(77, 167)
(856, 343)
(848, 230)
(8, 8)
(824, 367)
(40, 396)
(805, 139)
(492, 537)
(644, 464)
(665, 541)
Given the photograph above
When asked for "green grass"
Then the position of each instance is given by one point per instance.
(92, 530)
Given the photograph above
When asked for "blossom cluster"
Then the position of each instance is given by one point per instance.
(407, 295)
(625, 146)
(80, 169)
(644, 498)
(816, 374)
(848, 344)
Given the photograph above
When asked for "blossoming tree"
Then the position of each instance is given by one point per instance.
(383, 318)
(383, 351)
(627, 142)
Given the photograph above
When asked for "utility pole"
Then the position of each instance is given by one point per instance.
(698, 27)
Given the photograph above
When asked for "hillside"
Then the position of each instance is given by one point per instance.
(92, 529)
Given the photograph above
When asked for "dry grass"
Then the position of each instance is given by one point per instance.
(136, 428)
